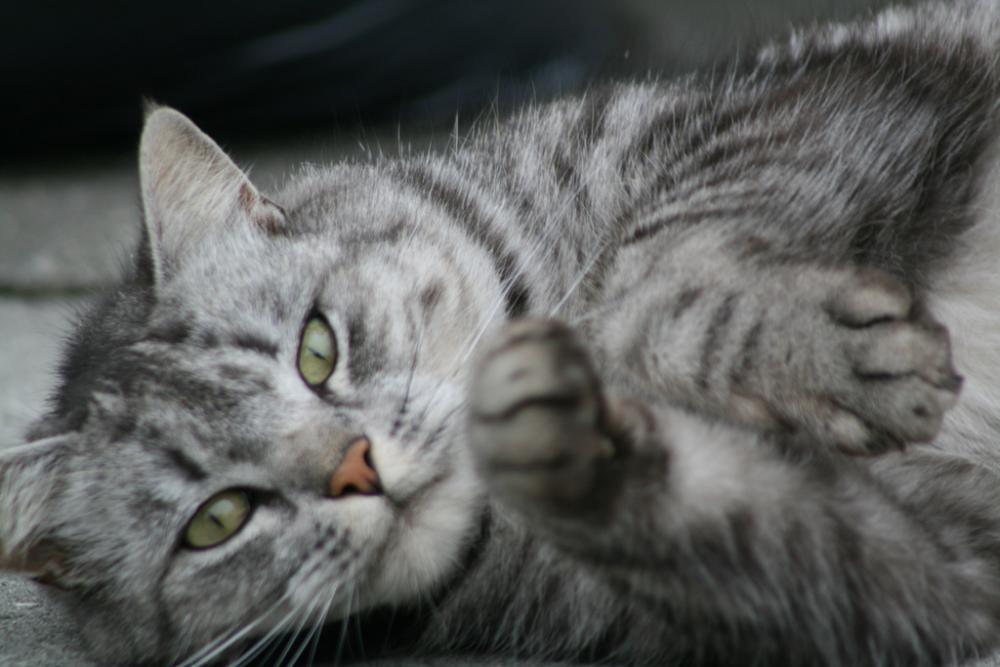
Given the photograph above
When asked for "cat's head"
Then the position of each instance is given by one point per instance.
(184, 488)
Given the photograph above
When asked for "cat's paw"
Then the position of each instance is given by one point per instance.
(538, 417)
(878, 368)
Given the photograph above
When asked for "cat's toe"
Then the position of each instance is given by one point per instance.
(536, 410)
(901, 379)
(867, 297)
(904, 376)
(872, 372)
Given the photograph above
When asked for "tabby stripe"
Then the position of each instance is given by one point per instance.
(592, 123)
(734, 146)
(602, 265)
(757, 195)
(367, 354)
(568, 178)
(184, 464)
(587, 131)
(550, 402)
(666, 130)
(648, 230)
(716, 127)
(743, 202)
(256, 344)
(514, 185)
(579, 138)
(644, 335)
(714, 188)
(687, 298)
(513, 342)
(725, 163)
(470, 218)
(173, 332)
(745, 359)
(710, 345)
(666, 124)
(390, 235)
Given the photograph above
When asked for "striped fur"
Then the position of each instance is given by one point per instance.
(655, 374)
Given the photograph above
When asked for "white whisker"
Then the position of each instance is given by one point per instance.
(313, 641)
(216, 647)
(343, 630)
(299, 629)
(578, 280)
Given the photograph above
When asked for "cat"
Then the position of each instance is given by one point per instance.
(693, 372)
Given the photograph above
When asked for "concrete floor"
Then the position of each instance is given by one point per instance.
(47, 258)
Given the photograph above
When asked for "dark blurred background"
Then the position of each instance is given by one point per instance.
(74, 74)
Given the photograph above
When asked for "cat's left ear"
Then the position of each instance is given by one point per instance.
(190, 188)
(29, 477)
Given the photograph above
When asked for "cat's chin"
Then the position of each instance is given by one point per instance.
(429, 534)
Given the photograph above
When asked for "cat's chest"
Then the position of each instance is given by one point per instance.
(965, 296)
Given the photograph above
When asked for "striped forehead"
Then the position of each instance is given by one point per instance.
(266, 282)
(183, 407)
(199, 374)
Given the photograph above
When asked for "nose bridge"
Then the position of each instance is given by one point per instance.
(306, 456)
(328, 461)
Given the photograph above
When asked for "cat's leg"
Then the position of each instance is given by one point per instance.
(726, 325)
(743, 545)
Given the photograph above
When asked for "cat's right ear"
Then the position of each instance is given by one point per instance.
(191, 189)
(29, 476)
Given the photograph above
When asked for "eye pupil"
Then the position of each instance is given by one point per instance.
(218, 519)
(317, 352)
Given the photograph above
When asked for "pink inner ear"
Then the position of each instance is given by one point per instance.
(51, 579)
(265, 213)
(248, 198)
(270, 216)
(44, 562)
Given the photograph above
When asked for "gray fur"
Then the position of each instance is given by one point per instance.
(660, 373)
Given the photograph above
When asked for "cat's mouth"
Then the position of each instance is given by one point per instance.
(401, 477)
(407, 503)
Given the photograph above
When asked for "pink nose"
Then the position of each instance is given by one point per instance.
(355, 473)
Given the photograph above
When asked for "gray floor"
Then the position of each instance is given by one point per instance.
(46, 258)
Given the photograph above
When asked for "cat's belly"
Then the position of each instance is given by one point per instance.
(965, 296)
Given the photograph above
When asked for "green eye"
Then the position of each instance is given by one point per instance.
(217, 520)
(317, 352)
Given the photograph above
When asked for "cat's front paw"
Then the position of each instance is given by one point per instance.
(874, 371)
(538, 419)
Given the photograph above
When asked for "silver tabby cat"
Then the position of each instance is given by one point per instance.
(656, 374)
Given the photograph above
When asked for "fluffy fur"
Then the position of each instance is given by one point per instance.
(660, 373)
